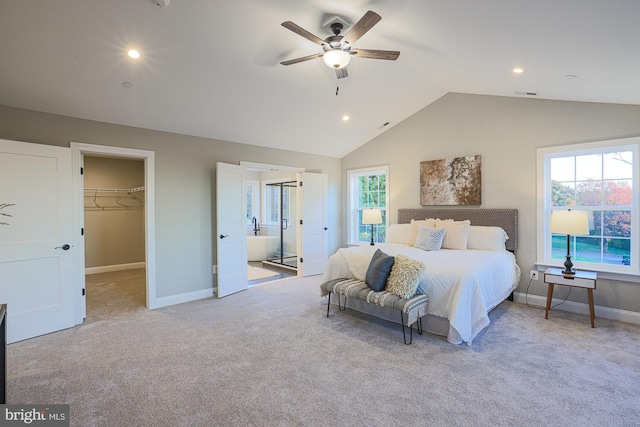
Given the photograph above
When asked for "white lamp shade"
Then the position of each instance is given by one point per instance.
(371, 216)
(336, 58)
(569, 222)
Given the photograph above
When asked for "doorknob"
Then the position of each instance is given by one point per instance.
(64, 247)
(222, 236)
(325, 229)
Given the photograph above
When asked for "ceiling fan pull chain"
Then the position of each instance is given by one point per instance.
(337, 89)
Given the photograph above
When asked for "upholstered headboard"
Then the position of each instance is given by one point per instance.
(505, 218)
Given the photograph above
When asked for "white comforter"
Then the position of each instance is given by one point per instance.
(463, 286)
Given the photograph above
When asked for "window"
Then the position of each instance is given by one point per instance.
(253, 200)
(600, 178)
(367, 189)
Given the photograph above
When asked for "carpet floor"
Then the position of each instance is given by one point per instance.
(269, 356)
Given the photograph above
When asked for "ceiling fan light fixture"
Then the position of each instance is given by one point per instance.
(336, 58)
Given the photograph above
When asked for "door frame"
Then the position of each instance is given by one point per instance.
(78, 151)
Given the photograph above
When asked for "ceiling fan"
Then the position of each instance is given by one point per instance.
(337, 49)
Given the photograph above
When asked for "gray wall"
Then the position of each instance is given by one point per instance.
(114, 235)
(506, 132)
(184, 182)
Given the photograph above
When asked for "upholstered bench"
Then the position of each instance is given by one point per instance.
(414, 307)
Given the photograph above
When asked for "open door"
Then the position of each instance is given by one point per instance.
(312, 242)
(36, 256)
(231, 228)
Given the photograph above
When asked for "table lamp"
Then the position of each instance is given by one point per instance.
(371, 216)
(570, 223)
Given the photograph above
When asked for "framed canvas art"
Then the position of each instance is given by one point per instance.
(452, 181)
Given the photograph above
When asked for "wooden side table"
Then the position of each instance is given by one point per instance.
(582, 279)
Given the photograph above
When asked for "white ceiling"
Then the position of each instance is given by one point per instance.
(211, 68)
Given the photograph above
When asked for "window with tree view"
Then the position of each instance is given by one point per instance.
(601, 182)
(367, 189)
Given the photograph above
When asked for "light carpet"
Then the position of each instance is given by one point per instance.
(257, 273)
(268, 356)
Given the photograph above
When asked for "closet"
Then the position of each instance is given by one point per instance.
(113, 214)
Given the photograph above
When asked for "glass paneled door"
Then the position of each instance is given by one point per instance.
(281, 222)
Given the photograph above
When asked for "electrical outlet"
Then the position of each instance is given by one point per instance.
(533, 274)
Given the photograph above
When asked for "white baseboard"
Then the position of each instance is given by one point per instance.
(578, 307)
(180, 298)
(117, 267)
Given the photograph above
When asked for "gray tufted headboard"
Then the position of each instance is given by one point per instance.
(505, 218)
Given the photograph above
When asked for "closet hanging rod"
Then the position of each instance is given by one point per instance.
(116, 190)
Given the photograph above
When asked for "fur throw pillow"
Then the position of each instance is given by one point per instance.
(405, 276)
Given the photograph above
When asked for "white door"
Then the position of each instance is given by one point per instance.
(36, 259)
(313, 243)
(231, 228)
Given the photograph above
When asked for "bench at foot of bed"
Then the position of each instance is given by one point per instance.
(414, 307)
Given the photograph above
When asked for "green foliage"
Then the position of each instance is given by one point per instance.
(561, 194)
(372, 191)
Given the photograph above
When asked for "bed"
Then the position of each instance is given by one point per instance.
(463, 283)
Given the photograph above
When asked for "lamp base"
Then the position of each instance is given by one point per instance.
(568, 266)
(372, 242)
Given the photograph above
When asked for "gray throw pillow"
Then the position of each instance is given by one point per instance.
(379, 270)
(429, 238)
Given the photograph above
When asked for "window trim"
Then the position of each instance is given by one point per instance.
(352, 199)
(543, 236)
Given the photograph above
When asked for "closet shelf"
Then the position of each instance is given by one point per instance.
(113, 198)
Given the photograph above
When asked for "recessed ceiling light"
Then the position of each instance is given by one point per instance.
(128, 85)
(518, 70)
(345, 118)
(133, 54)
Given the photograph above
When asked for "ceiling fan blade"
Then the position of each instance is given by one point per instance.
(302, 32)
(390, 55)
(302, 59)
(361, 27)
(341, 73)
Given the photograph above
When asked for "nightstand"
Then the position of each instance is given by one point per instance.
(582, 279)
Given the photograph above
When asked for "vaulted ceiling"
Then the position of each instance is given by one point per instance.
(211, 68)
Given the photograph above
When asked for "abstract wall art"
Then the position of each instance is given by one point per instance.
(452, 181)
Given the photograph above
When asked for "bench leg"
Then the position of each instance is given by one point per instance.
(404, 334)
(328, 304)
(418, 324)
(342, 306)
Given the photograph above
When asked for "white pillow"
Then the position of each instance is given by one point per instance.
(429, 238)
(456, 233)
(398, 233)
(413, 233)
(487, 238)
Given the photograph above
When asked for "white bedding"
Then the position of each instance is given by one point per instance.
(462, 285)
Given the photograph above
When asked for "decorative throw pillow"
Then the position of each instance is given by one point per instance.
(456, 233)
(429, 238)
(415, 225)
(398, 233)
(379, 270)
(487, 238)
(405, 276)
